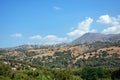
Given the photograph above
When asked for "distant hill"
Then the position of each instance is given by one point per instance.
(105, 54)
(100, 50)
(93, 37)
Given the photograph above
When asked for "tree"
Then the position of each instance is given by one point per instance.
(115, 75)
(91, 73)
(101, 72)
(5, 69)
(104, 54)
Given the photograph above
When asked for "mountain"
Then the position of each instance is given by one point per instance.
(103, 52)
(93, 37)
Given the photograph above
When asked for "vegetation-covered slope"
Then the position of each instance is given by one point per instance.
(105, 54)
(87, 61)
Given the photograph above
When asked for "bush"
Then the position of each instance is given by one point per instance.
(115, 75)
(5, 69)
(89, 73)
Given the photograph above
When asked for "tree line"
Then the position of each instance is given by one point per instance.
(85, 73)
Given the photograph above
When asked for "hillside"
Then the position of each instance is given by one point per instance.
(100, 50)
(105, 54)
(93, 37)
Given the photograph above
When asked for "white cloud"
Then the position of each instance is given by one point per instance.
(112, 30)
(52, 39)
(49, 39)
(16, 35)
(106, 19)
(36, 37)
(56, 8)
(83, 27)
(114, 21)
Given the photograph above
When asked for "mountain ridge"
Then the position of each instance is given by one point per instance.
(64, 55)
(93, 37)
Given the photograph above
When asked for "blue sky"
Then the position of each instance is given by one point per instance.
(55, 21)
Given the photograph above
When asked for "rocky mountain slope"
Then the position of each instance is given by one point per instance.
(92, 37)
